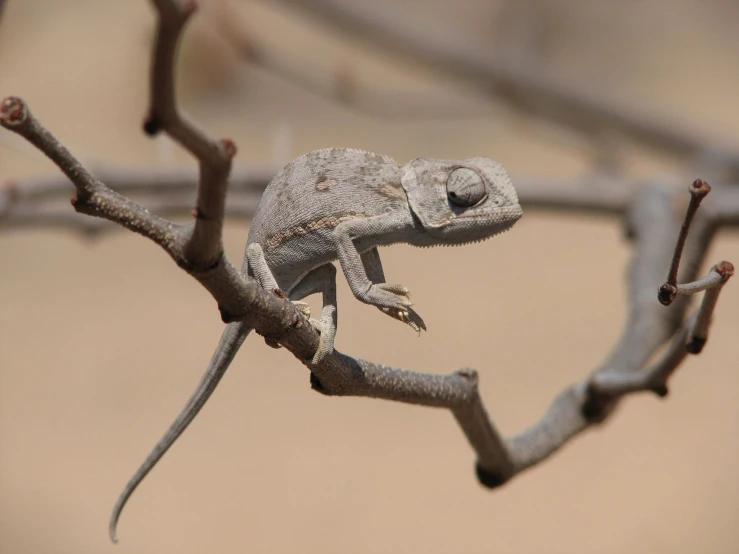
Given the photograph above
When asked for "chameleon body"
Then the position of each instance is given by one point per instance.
(341, 204)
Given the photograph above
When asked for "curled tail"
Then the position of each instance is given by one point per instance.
(231, 341)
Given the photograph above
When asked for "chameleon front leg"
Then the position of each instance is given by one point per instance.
(394, 300)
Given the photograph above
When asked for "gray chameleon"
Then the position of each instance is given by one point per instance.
(342, 204)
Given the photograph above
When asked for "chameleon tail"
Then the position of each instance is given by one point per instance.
(231, 341)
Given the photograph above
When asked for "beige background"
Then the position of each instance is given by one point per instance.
(102, 342)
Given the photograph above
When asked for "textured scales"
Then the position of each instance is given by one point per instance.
(341, 204)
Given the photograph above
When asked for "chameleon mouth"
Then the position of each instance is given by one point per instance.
(507, 216)
(507, 213)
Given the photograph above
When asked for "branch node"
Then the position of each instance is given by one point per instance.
(596, 405)
(695, 345)
(489, 479)
(272, 343)
(153, 125)
(227, 317)
(229, 147)
(316, 385)
(468, 374)
(13, 111)
(660, 390)
(667, 293)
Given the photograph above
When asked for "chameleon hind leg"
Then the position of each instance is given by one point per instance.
(322, 279)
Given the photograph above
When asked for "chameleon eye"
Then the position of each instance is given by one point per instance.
(465, 188)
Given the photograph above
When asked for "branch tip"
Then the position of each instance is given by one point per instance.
(13, 111)
(699, 188)
(724, 269)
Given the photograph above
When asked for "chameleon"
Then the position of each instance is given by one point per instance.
(342, 204)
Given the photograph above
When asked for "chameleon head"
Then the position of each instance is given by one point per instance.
(460, 201)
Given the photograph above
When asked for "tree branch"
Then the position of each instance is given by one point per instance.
(204, 247)
(196, 248)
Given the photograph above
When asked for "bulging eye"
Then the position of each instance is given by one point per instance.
(465, 188)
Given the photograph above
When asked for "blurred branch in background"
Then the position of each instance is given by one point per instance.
(522, 84)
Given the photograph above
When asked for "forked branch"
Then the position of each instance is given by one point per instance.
(196, 248)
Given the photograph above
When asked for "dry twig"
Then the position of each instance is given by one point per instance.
(197, 249)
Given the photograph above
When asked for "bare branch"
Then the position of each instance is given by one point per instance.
(649, 325)
(699, 331)
(197, 249)
(668, 290)
(204, 248)
(521, 85)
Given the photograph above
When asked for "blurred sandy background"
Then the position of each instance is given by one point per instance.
(101, 343)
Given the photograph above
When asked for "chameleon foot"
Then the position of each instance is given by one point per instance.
(383, 295)
(327, 329)
(302, 307)
(408, 316)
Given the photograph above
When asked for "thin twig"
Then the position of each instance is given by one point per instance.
(668, 290)
(699, 331)
(204, 247)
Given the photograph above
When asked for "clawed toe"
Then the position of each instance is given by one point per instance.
(408, 316)
(302, 307)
